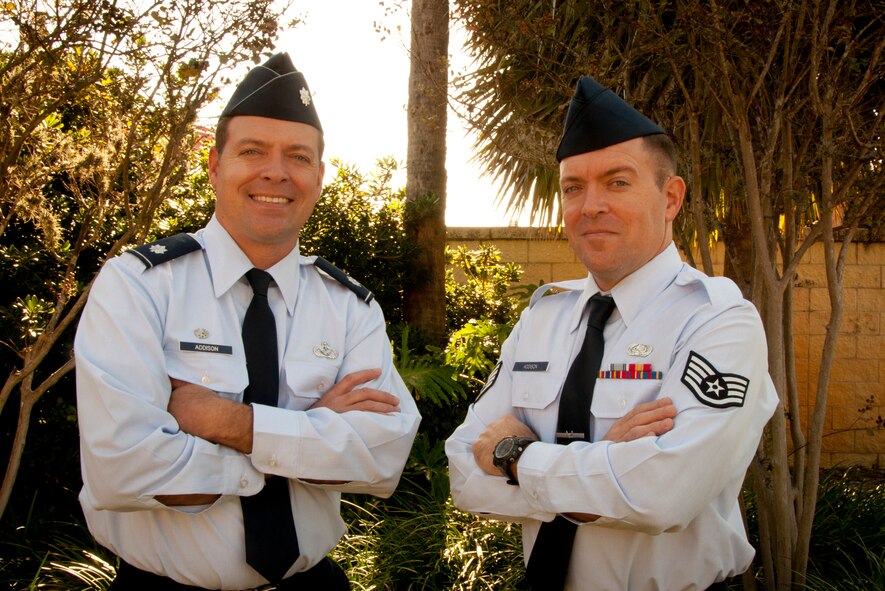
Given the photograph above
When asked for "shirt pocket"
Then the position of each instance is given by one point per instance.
(612, 399)
(535, 389)
(224, 374)
(307, 382)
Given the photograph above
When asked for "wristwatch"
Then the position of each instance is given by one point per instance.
(507, 453)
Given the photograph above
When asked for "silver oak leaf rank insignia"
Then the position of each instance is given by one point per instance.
(710, 386)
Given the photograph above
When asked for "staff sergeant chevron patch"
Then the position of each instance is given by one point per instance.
(719, 390)
(490, 381)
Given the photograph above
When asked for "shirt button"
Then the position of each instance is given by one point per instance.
(321, 387)
(272, 461)
(623, 404)
(525, 395)
(244, 483)
(205, 379)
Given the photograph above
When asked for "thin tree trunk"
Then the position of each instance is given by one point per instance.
(425, 304)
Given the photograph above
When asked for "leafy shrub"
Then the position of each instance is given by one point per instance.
(417, 539)
(848, 535)
(478, 287)
(482, 306)
(434, 384)
(358, 225)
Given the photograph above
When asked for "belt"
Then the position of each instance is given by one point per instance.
(720, 586)
(326, 574)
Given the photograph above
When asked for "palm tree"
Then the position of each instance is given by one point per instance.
(426, 165)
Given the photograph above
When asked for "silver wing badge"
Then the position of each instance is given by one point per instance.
(639, 350)
(325, 351)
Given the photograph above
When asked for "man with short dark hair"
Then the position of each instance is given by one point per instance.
(620, 420)
(229, 389)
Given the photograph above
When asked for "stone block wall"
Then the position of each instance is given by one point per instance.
(856, 394)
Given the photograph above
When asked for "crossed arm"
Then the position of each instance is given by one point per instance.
(650, 419)
(202, 413)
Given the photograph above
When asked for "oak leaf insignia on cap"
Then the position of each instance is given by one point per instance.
(274, 89)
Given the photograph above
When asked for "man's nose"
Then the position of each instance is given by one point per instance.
(275, 169)
(595, 202)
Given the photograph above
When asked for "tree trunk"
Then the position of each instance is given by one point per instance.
(425, 299)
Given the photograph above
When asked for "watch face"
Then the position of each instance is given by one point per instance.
(505, 447)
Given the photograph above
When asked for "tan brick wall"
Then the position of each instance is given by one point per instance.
(859, 370)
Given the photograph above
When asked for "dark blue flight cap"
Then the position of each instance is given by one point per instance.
(598, 118)
(276, 90)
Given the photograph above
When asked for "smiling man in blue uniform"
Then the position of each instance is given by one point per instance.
(229, 389)
(626, 406)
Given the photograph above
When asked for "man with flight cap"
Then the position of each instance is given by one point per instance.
(627, 405)
(229, 389)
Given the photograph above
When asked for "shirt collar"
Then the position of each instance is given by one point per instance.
(228, 264)
(635, 290)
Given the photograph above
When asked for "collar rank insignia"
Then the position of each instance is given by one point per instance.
(719, 390)
(325, 351)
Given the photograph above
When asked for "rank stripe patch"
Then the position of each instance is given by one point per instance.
(490, 381)
(710, 386)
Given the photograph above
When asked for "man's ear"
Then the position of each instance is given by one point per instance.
(674, 193)
(213, 165)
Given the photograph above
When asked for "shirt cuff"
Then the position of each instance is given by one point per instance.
(275, 442)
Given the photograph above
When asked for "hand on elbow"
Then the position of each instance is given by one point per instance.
(346, 395)
(650, 419)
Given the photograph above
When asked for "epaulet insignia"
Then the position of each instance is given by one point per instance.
(166, 249)
(344, 279)
(559, 286)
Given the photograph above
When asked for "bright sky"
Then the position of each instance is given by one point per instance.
(360, 85)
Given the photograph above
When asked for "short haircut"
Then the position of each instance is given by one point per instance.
(221, 136)
(663, 151)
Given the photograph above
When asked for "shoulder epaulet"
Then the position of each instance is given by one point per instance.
(569, 285)
(721, 291)
(166, 249)
(344, 279)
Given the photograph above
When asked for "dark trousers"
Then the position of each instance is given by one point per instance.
(325, 575)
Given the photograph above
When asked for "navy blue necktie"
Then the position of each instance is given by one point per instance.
(271, 540)
(552, 552)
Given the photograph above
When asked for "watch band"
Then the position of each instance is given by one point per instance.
(505, 459)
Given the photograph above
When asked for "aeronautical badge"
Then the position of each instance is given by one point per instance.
(489, 382)
(325, 351)
(639, 350)
(711, 387)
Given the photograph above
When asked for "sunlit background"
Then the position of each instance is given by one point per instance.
(359, 78)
